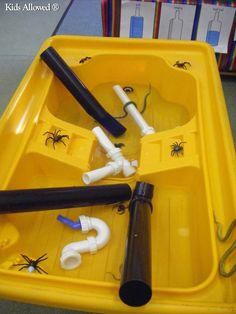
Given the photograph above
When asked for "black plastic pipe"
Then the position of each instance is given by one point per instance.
(13, 201)
(136, 284)
(80, 92)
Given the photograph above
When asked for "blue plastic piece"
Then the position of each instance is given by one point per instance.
(213, 37)
(136, 27)
(70, 223)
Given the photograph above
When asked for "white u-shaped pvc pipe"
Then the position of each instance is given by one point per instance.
(71, 258)
(132, 110)
(118, 163)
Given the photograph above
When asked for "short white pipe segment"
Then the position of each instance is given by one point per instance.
(132, 110)
(103, 139)
(98, 174)
(71, 257)
(112, 151)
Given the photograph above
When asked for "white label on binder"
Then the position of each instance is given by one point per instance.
(137, 19)
(214, 26)
(176, 21)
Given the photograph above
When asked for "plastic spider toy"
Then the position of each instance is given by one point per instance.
(177, 148)
(182, 65)
(55, 137)
(84, 59)
(120, 208)
(119, 145)
(31, 264)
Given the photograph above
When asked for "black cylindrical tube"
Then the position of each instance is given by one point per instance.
(13, 201)
(136, 286)
(80, 92)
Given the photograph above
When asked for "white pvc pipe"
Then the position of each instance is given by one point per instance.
(71, 258)
(121, 94)
(110, 169)
(112, 151)
(132, 110)
(127, 168)
(103, 139)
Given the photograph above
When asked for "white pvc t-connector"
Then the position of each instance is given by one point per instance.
(112, 168)
(71, 253)
(132, 110)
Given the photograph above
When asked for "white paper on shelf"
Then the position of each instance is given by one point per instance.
(176, 27)
(147, 11)
(225, 22)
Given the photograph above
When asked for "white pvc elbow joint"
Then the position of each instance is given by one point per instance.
(71, 253)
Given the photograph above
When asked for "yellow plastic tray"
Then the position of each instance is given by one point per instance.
(192, 191)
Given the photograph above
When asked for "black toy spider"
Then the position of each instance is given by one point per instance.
(120, 208)
(182, 65)
(119, 145)
(84, 59)
(55, 137)
(177, 148)
(31, 264)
